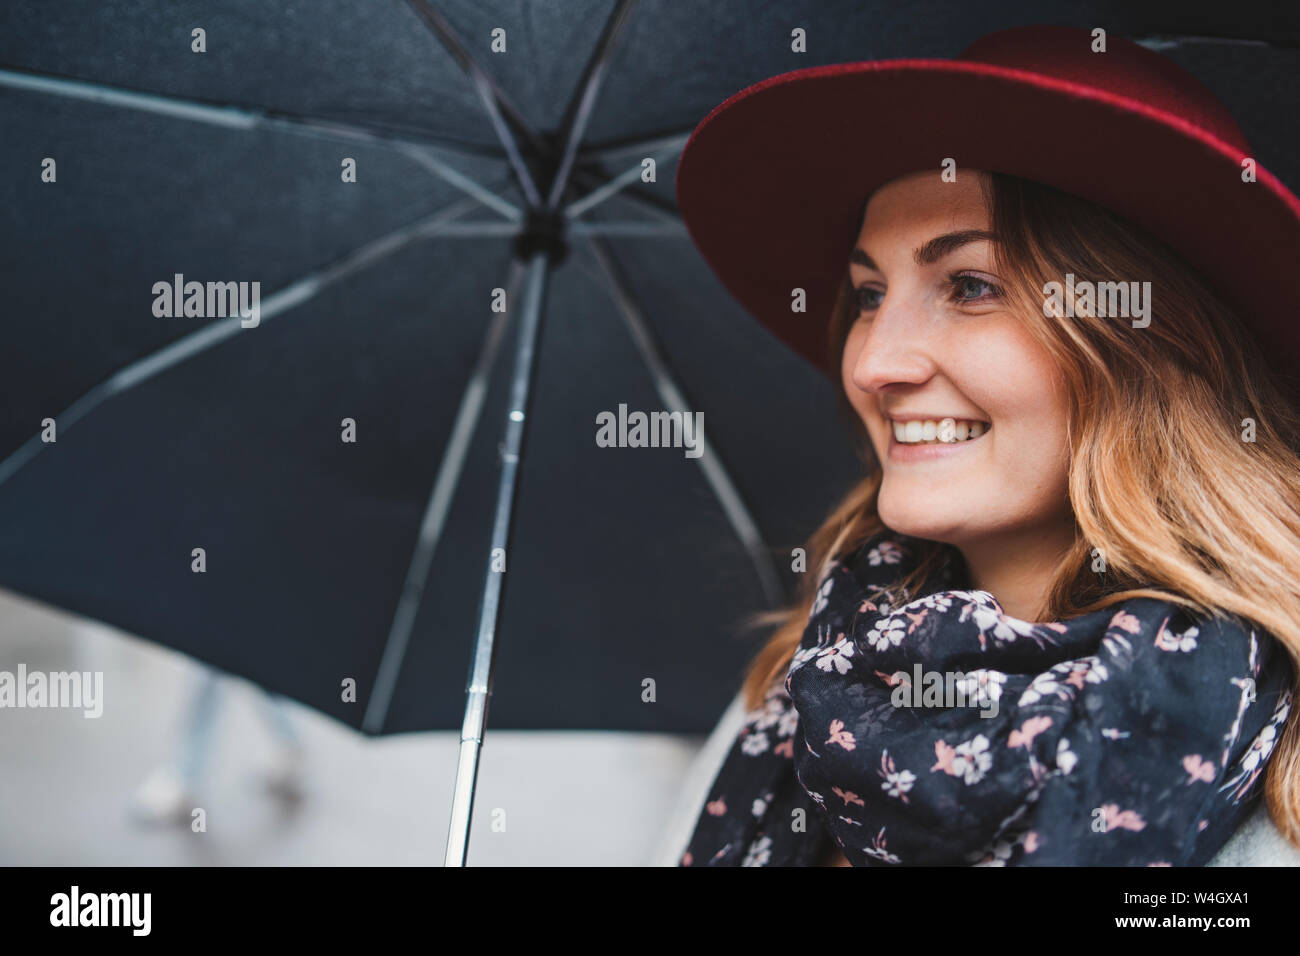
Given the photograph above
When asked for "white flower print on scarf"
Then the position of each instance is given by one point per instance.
(760, 851)
(823, 596)
(969, 761)
(889, 632)
(887, 552)
(836, 656)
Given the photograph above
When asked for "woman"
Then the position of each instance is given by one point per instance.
(1057, 621)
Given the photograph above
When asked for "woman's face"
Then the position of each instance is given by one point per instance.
(934, 339)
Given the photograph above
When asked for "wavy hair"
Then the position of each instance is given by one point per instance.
(1161, 482)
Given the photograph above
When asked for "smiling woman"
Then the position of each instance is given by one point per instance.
(1095, 521)
(956, 547)
(933, 337)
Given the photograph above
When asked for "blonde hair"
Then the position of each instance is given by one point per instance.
(1160, 479)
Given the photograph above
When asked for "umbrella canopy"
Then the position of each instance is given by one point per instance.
(326, 559)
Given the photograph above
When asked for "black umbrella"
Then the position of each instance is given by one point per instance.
(390, 173)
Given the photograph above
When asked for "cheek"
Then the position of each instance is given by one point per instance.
(1029, 392)
(1025, 395)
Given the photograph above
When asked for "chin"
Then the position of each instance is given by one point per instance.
(918, 522)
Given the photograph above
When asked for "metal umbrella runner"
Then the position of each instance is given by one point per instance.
(550, 195)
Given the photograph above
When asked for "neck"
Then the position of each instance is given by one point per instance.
(1017, 568)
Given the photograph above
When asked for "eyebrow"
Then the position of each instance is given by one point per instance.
(934, 250)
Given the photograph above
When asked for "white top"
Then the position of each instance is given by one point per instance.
(695, 788)
(1257, 842)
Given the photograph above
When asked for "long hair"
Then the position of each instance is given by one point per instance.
(1164, 481)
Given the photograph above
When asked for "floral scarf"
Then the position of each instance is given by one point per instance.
(945, 732)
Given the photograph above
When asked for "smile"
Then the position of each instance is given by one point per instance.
(946, 430)
(922, 439)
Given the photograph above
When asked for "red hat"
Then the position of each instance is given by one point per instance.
(773, 180)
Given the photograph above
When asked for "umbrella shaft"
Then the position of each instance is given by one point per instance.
(462, 803)
(480, 678)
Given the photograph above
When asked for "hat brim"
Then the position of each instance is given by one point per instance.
(771, 182)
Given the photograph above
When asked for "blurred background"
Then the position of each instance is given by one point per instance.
(85, 792)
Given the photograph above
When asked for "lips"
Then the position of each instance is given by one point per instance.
(926, 451)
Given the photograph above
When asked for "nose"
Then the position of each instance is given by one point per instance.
(895, 348)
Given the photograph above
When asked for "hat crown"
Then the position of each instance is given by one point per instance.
(1125, 69)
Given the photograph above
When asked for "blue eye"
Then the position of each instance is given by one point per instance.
(969, 288)
(966, 289)
(868, 298)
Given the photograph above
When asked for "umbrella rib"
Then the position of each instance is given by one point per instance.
(596, 151)
(625, 178)
(659, 208)
(1161, 41)
(233, 117)
(187, 346)
(476, 230)
(435, 513)
(715, 472)
(462, 182)
(446, 35)
(637, 229)
(505, 118)
(578, 113)
(230, 117)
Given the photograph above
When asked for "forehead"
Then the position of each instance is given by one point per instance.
(924, 203)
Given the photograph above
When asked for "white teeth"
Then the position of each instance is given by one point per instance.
(943, 430)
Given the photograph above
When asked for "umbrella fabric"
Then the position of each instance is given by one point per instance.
(622, 565)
